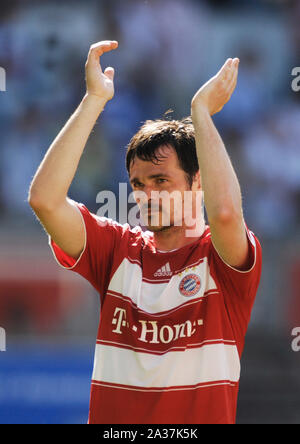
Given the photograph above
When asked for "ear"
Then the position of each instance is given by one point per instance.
(197, 182)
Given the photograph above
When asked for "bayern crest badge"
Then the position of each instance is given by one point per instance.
(190, 285)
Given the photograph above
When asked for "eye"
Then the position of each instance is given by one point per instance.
(137, 184)
(161, 180)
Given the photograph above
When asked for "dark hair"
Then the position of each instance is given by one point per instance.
(179, 134)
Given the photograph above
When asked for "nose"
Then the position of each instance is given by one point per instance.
(148, 190)
(143, 197)
(146, 200)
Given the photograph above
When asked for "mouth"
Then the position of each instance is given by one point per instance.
(152, 213)
(149, 209)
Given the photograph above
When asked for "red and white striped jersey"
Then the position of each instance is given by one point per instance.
(172, 325)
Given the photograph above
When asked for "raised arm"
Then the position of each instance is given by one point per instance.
(222, 194)
(48, 194)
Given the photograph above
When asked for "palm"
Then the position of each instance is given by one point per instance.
(98, 82)
(215, 93)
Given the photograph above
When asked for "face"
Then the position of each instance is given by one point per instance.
(160, 190)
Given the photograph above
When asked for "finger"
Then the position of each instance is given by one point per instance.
(226, 64)
(223, 73)
(233, 82)
(229, 73)
(98, 49)
(109, 72)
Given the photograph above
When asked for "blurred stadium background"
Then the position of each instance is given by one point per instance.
(167, 49)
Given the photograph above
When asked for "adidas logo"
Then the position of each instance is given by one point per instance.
(164, 271)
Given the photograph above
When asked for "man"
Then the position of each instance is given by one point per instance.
(175, 304)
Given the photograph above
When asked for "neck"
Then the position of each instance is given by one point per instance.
(174, 237)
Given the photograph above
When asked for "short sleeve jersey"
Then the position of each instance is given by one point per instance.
(172, 325)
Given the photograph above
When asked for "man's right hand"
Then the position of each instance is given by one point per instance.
(99, 83)
(50, 186)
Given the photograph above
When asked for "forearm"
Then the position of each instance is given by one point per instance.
(222, 194)
(55, 174)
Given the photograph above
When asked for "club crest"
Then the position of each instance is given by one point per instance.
(190, 285)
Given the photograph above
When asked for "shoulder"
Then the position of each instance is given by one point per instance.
(101, 224)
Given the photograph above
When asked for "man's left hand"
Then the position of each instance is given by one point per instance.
(215, 93)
